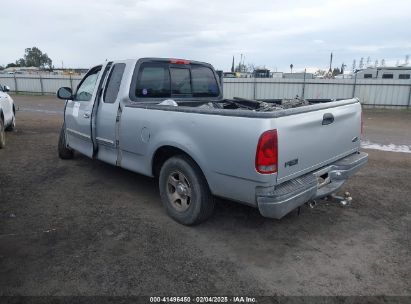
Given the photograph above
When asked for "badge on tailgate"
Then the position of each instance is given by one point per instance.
(291, 162)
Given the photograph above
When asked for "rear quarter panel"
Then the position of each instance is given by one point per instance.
(223, 146)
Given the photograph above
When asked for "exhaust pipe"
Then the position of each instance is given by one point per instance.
(312, 204)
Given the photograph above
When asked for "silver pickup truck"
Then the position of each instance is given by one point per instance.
(167, 118)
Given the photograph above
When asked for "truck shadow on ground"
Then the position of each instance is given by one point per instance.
(226, 214)
(234, 232)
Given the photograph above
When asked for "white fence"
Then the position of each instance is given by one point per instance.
(371, 92)
(48, 84)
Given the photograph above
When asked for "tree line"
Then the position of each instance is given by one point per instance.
(33, 57)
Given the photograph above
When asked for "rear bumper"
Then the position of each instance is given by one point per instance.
(280, 200)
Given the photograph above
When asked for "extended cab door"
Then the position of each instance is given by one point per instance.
(108, 115)
(78, 113)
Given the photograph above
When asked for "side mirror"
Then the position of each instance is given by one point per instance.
(65, 93)
(6, 89)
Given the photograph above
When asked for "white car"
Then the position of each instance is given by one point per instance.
(7, 114)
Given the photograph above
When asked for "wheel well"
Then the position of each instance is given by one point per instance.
(164, 153)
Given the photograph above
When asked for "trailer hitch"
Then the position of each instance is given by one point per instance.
(344, 200)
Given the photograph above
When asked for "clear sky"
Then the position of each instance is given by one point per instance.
(82, 33)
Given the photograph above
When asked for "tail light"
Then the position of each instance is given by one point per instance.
(179, 61)
(266, 158)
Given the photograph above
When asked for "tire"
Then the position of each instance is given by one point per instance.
(64, 152)
(184, 191)
(12, 126)
(2, 134)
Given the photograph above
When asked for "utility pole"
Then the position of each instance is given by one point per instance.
(331, 62)
(303, 93)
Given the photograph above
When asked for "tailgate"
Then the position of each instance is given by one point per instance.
(311, 140)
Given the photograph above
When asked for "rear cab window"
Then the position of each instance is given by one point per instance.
(153, 80)
(164, 79)
(204, 82)
(180, 81)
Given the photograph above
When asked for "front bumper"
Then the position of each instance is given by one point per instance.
(277, 202)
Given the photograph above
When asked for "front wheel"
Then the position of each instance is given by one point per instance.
(64, 151)
(2, 134)
(184, 191)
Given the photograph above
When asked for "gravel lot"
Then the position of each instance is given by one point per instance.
(81, 227)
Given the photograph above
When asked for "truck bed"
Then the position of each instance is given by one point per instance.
(226, 151)
(217, 107)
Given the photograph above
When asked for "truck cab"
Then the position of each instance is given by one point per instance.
(93, 111)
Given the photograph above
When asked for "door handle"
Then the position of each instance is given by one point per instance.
(328, 118)
(86, 115)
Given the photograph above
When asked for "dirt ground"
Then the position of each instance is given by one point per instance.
(81, 227)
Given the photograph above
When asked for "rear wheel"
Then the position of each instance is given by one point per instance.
(64, 151)
(2, 134)
(184, 191)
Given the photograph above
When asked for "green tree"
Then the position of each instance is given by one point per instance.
(21, 62)
(11, 65)
(35, 57)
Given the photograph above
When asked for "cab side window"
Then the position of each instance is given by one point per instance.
(86, 88)
(113, 83)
